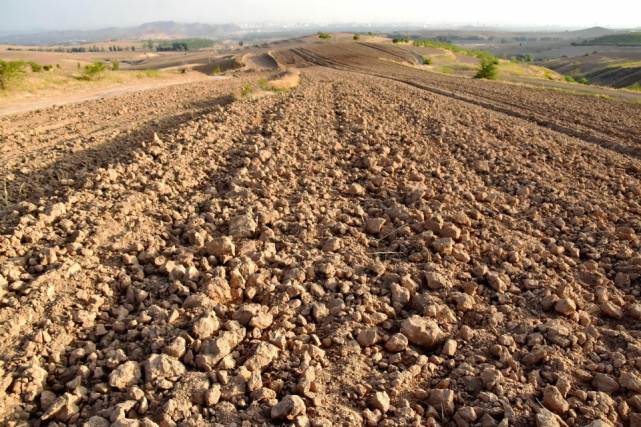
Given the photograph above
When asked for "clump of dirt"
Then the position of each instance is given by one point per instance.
(359, 251)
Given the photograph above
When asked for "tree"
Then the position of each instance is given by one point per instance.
(93, 71)
(241, 43)
(115, 66)
(10, 71)
(133, 48)
(150, 44)
(357, 36)
(487, 69)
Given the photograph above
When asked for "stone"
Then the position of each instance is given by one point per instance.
(605, 383)
(205, 326)
(356, 190)
(554, 401)
(263, 356)
(367, 337)
(222, 246)
(125, 376)
(381, 401)
(437, 281)
(397, 342)
(218, 289)
(423, 332)
(442, 400)
(611, 310)
(332, 245)
(163, 367)
(449, 348)
(443, 246)
(400, 295)
(565, 306)
(496, 282)
(545, 418)
(97, 421)
(242, 226)
(631, 382)
(374, 225)
(212, 396)
(213, 351)
(288, 408)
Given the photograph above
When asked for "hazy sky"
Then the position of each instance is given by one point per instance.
(89, 14)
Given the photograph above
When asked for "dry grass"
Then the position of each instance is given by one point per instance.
(285, 82)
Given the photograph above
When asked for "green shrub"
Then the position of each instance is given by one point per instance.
(115, 66)
(427, 60)
(357, 36)
(401, 40)
(263, 83)
(216, 70)
(569, 79)
(47, 67)
(583, 81)
(11, 71)
(93, 71)
(247, 89)
(324, 36)
(57, 65)
(487, 69)
(35, 67)
(635, 86)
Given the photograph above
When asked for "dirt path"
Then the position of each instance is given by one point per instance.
(357, 251)
(24, 106)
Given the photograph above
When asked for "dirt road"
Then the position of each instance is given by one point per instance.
(362, 250)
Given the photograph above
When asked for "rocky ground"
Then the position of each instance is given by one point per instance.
(391, 249)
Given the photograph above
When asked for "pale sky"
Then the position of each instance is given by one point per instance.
(18, 15)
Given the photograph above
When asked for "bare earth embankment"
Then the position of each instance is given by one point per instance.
(378, 246)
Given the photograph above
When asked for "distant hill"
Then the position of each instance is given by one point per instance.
(592, 32)
(155, 30)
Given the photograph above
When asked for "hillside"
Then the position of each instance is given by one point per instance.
(378, 245)
(151, 30)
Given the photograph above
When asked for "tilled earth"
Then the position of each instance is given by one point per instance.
(362, 250)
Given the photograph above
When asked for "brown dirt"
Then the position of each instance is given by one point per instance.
(378, 246)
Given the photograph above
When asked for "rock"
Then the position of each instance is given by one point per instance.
(367, 337)
(288, 408)
(205, 326)
(437, 281)
(423, 332)
(177, 348)
(400, 295)
(263, 356)
(599, 423)
(36, 377)
(356, 190)
(449, 348)
(218, 289)
(97, 421)
(374, 225)
(496, 282)
(126, 375)
(443, 246)
(442, 400)
(242, 226)
(467, 414)
(212, 396)
(605, 383)
(554, 401)
(610, 309)
(163, 367)
(332, 245)
(381, 401)
(631, 382)
(546, 418)
(222, 246)
(398, 342)
(62, 408)
(565, 306)
(213, 351)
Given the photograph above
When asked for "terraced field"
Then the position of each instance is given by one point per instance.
(378, 246)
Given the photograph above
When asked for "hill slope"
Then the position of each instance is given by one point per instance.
(380, 244)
